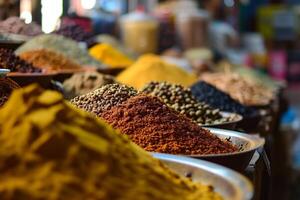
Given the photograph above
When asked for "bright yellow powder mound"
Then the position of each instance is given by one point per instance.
(152, 68)
(110, 56)
(51, 150)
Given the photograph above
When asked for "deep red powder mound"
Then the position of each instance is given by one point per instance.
(157, 128)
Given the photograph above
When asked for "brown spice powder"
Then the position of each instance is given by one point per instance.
(157, 128)
(49, 60)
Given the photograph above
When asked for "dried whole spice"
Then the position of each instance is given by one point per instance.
(6, 88)
(49, 60)
(157, 128)
(209, 94)
(182, 100)
(51, 150)
(83, 83)
(104, 98)
(62, 45)
(240, 88)
(8, 60)
(77, 33)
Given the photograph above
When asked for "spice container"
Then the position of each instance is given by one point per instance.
(140, 32)
(192, 26)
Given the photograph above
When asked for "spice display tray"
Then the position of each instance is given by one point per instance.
(24, 79)
(227, 125)
(247, 144)
(231, 185)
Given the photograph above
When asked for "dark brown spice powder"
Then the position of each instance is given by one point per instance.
(6, 87)
(157, 128)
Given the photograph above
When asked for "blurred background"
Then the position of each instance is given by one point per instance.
(261, 35)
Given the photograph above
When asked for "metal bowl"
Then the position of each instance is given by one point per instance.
(229, 184)
(231, 125)
(246, 143)
(3, 72)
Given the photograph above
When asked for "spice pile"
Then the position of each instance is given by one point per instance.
(157, 128)
(49, 60)
(60, 44)
(110, 56)
(8, 60)
(83, 83)
(16, 25)
(6, 88)
(64, 153)
(209, 94)
(182, 100)
(239, 88)
(152, 68)
(104, 98)
(76, 32)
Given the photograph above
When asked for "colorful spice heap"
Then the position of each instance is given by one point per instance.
(60, 44)
(157, 128)
(207, 93)
(239, 88)
(16, 25)
(152, 68)
(182, 100)
(75, 32)
(6, 88)
(50, 150)
(8, 60)
(49, 60)
(110, 56)
(104, 98)
(83, 83)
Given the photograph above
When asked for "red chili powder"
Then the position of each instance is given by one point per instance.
(157, 128)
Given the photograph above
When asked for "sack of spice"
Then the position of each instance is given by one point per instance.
(63, 45)
(83, 83)
(6, 88)
(152, 68)
(51, 150)
(157, 128)
(50, 61)
(182, 100)
(110, 56)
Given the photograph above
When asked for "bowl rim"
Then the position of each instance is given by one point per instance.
(255, 141)
(239, 182)
(237, 119)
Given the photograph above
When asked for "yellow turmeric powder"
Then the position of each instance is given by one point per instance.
(110, 56)
(51, 150)
(152, 68)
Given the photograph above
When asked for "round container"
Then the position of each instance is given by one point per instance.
(231, 125)
(140, 32)
(247, 144)
(193, 28)
(24, 79)
(229, 184)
